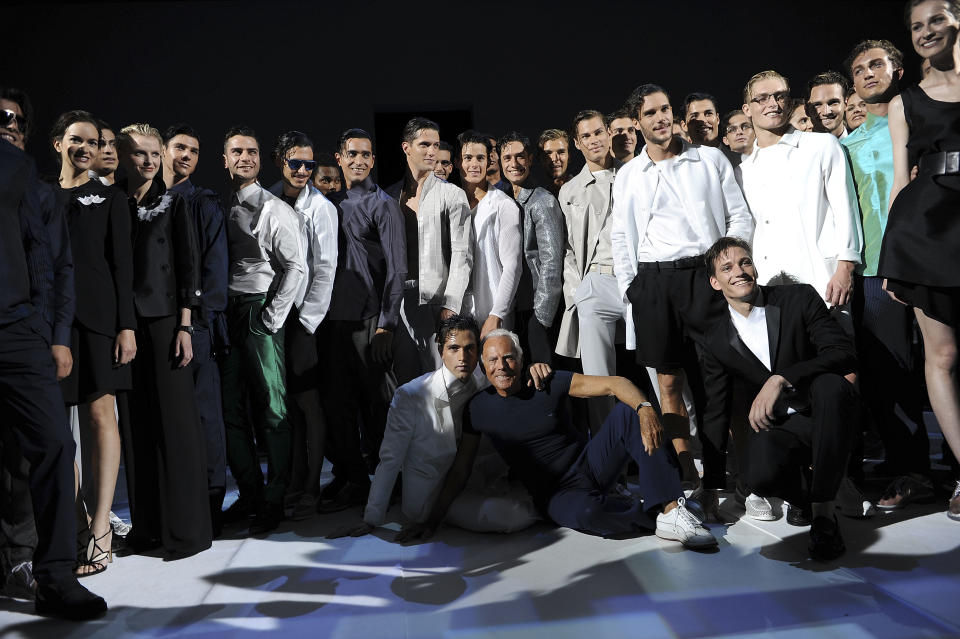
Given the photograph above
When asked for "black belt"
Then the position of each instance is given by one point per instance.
(673, 265)
(943, 163)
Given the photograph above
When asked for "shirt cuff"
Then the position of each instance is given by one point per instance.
(61, 336)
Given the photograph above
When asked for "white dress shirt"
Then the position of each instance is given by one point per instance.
(265, 256)
(421, 436)
(670, 233)
(318, 244)
(712, 205)
(497, 250)
(801, 193)
(753, 332)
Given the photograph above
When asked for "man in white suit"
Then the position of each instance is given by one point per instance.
(422, 433)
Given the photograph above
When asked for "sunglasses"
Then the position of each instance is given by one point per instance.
(7, 116)
(296, 165)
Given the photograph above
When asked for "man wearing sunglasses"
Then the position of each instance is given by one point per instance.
(266, 269)
(293, 153)
(180, 159)
(439, 251)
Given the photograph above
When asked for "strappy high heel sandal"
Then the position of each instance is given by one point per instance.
(95, 556)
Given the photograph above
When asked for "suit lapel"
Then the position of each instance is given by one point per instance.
(755, 365)
(773, 331)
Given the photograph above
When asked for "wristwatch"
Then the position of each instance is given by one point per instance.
(642, 405)
(186, 329)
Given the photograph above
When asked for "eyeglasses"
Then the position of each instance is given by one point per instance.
(296, 165)
(445, 163)
(746, 126)
(7, 116)
(763, 98)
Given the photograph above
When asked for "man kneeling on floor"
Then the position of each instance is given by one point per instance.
(571, 481)
(782, 343)
(421, 439)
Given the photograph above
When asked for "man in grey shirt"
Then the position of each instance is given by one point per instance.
(266, 268)
(439, 251)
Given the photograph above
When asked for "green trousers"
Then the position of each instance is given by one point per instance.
(253, 377)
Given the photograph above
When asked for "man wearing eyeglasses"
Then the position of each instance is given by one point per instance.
(266, 269)
(437, 223)
(738, 136)
(800, 190)
(180, 158)
(670, 204)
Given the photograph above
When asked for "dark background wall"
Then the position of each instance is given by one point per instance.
(325, 66)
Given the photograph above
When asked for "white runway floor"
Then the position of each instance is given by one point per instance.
(899, 578)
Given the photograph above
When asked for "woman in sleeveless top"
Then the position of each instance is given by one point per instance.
(102, 337)
(920, 258)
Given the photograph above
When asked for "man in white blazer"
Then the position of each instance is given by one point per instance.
(670, 204)
(421, 437)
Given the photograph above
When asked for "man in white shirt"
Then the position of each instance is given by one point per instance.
(780, 344)
(800, 191)
(670, 204)
(421, 438)
(827, 102)
(266, 269)
(293, 154)
(439, 251)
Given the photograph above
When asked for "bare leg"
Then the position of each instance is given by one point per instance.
(676, 421)
(106, 463)
(940, 369)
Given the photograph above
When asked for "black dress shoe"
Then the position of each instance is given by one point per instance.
(351, 495)
(238, 511)
(797, 516)
(330, 490)
(268, 518)
(67, 599)
(826, 542)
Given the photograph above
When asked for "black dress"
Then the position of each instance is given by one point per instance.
(98, 218)
(920, 255)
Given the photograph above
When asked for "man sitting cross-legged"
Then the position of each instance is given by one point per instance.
(571, 481)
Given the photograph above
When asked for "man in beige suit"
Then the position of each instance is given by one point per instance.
(594, 316)
(439, 251)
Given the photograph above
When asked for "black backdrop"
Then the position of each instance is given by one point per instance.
(324, 66)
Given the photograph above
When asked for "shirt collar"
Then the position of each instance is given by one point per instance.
(248, 192)
(453, 385)
(688, 153)
(363, 188)
(184, 187)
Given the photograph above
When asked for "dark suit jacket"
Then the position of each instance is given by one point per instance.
(17, 170)
(805, 342)
(99, 221)
(166, 273)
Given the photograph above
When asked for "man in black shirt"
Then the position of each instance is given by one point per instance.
(570, 480)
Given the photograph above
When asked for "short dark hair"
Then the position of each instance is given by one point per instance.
(23, 101)
(287, 141)
(180, 128)
(553, 134)
(240, 129)
(64, 121)
(513, 136)
(696, 97)
(473, 137)
(849, 92)
(581, 116)
(953, 5)
(827, 78)
(415, 125)
(635, 101)
(720, 247)
(895, 55)
(446, 146)
(622, 112)
(725, 122)
(455, 324)
(354, 134)
(103, 124)
(326, 159)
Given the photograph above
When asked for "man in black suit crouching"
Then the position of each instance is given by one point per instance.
(791, 355)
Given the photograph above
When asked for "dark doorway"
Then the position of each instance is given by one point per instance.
(388, 130)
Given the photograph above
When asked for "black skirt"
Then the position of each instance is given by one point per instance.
(93, 374)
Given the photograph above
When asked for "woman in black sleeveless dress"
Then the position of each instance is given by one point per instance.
(102, 336)
(920, 257)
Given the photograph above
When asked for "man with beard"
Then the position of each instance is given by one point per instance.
(884, 327)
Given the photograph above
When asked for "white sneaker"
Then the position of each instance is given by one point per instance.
(851, 501)
(680, 525)
(758, 508)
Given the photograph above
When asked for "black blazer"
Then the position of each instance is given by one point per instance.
(166, 259)
(99, 221)
(805, 342)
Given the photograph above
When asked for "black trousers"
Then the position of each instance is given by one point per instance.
(168, 445)
(31, 405)
(778, 457)
(354, 388)
(206, 385)
(18, 533)
(891, 389)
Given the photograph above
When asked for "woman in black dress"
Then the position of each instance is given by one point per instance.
(169, 462)
(102, 337)
(920, 258)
